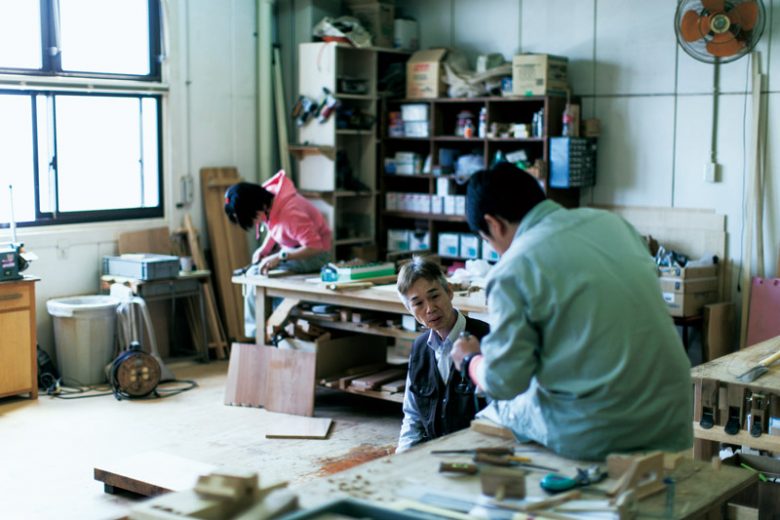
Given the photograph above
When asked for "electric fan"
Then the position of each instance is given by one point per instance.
(719, 31)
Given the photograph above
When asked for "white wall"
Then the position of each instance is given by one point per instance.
(653, 100)
(209, 120)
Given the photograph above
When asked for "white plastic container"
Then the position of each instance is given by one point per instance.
(84, 330)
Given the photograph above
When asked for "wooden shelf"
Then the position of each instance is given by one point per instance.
(309, 149)
(516, 139)
(347, 241)
(337, 193)
(351, 131)
(363, 97)
(365, 328)
(458, 139)
(376, 394)
(717, 434)
(425, 216)
(407, 138)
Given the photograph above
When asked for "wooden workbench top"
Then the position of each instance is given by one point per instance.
(415, 473)
(727, 368)
(382, 294)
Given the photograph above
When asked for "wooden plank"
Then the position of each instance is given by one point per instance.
(492, 429)
(285, 426)
(399, 385)
(215, 329)
(719, 336)
(151, 473)
(279, 380)
(279, 316)
(374, 381)
(245, 376)
(155, 240)
(229, 245)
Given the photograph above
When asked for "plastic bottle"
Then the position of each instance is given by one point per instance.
(568, 119)
(482, 128)
(540, 123)
(468, 129)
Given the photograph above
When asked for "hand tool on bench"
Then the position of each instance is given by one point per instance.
(458, 467)
(760, 369)
(555, 483)
(474, 451)
(508, 460)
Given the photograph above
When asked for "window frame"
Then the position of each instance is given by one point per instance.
(51, 65)
(51, 80)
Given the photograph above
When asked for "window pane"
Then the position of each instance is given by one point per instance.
(20, 35)
(44, 108)
(151, 153)
(16, 159)
(105, 37)
(99, 154)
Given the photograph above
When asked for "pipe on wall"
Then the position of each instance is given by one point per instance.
(265, 108)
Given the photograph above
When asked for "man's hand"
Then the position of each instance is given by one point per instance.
(463, 346)
(269, 262)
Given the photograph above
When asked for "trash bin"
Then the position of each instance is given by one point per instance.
(84, 330)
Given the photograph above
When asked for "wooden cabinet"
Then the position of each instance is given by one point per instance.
(19, 373)
(437, 143)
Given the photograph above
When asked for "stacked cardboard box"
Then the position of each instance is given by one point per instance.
(686, 290)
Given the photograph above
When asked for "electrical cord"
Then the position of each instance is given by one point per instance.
(81, 391)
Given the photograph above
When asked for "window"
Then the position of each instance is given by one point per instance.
(85, 146)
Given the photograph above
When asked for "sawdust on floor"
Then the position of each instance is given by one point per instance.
(354, 457)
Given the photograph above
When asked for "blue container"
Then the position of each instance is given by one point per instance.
(572, 162)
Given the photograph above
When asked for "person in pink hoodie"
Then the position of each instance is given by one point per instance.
(298, 237)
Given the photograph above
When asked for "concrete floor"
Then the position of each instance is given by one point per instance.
(49, 447)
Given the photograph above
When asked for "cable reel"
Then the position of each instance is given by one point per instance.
(134, 373)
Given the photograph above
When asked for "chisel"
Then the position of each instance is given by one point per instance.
(475, 451)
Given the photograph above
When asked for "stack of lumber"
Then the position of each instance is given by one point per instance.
(229, 246)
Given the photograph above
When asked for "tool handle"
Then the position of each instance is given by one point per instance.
(493, 460)
(458, 467)
(769, 359)
(496, 451)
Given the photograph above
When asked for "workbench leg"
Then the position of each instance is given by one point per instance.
(204, 334)
(262, 311)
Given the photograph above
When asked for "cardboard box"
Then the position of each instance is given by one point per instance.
(687, 297)
(398, 240)
(449, 244)
(488, 253)
(424, 76)
(538, 74)
(377, 18)
(469, 246)
(686, 273)
(406, 35)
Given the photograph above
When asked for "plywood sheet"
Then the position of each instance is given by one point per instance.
(285, 426)
(280, 380)
(155, 240)
(763, 322)
(152, 473)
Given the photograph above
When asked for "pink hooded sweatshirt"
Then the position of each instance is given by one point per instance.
(293, 220)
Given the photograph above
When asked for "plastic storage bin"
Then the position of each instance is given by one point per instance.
(84, 329)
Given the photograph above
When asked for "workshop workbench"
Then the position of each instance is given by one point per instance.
(185, 285)
(717, 388)
(378, 298)
(700, 489)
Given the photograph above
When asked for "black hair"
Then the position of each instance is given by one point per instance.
(244, 200)
(503, 191)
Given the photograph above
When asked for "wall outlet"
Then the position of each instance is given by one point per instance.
(711, 172)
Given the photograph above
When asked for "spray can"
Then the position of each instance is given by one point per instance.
(482, 128)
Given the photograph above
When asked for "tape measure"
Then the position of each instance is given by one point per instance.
(134, 373)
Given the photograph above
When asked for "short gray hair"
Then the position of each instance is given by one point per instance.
(419, 267)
